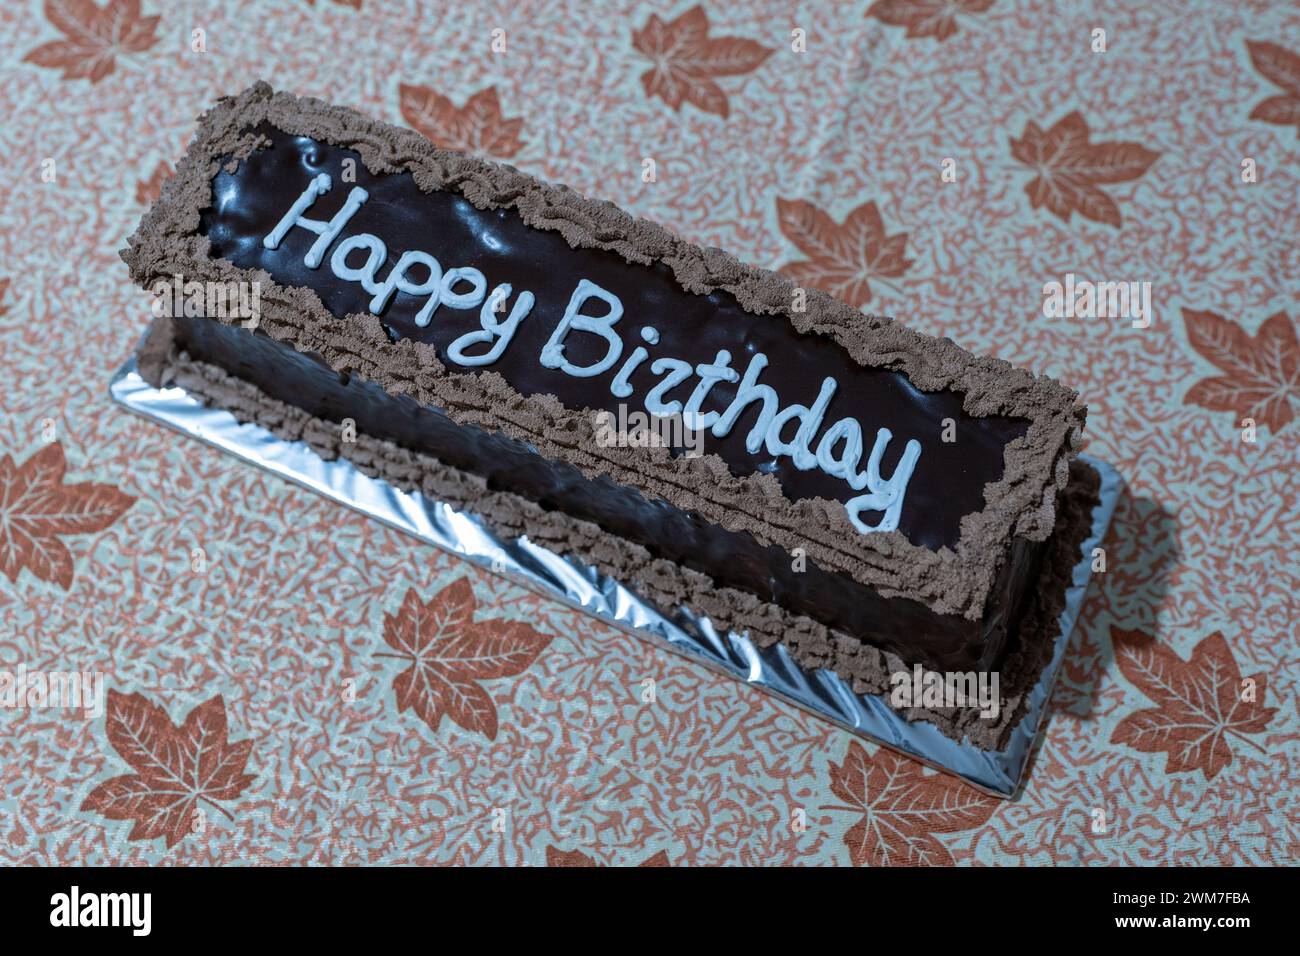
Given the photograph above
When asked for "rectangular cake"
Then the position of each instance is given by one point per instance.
(867, 495)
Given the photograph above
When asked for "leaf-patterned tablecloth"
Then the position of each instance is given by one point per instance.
(288, 681)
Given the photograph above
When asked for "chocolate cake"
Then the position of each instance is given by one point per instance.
(869, 496)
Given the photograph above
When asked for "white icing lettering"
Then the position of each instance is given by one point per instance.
(748, 393)
(326, 232)
(846, 466)
(838, 453)
(710, 375)
(376, 253)
(317, 187)
(316, 254)
(398, 282)
(885, 496)
(463, 300)
(621, 387)
(678, 372)
(497, 331)
(810, 419)
(553, 351)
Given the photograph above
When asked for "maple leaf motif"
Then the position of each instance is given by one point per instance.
(575, 858)
(1262, 374)
(902, 809)
(841, 258)
(36, 508)
(94, 36)
(176, 768)
(1280, 67)
(686, 60)
(450, 653)
(1198, 702)
(477, 127)
(1071, 170)
(147, 190)
(925, 18)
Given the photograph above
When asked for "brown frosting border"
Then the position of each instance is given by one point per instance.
(668, 585)
(951, 580)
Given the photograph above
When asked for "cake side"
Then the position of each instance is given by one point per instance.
(163, 362)
(954, 580)
(731, 559)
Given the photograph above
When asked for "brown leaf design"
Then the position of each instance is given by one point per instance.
(841, 258)
(4, 288)
(37, 508)
(1071, 170)
(903, 809)
(1198, 702)
(686, 61)
(1280, 67)
(450, 653)
(147, 190)
(176, 768)
(93, 37)
(477, 127)
(925, 18)
(575, 858)
(1261, 376)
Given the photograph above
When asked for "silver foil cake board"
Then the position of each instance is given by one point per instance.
(573, 582)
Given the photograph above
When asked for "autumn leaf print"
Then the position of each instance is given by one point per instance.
(37, 509)
(925, 18)
(477, 127)
(1071, 171)
(687, 61)
(1280, 67)
(1261, 377)
(902, 809)
(572, 858)
(841, 258)
(450, 653)
(147, 190)
(4, 288)
(178, 770)
(93, 37)
(1199, 704)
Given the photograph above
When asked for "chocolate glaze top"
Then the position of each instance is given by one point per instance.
(958, 580)
(949, 479)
